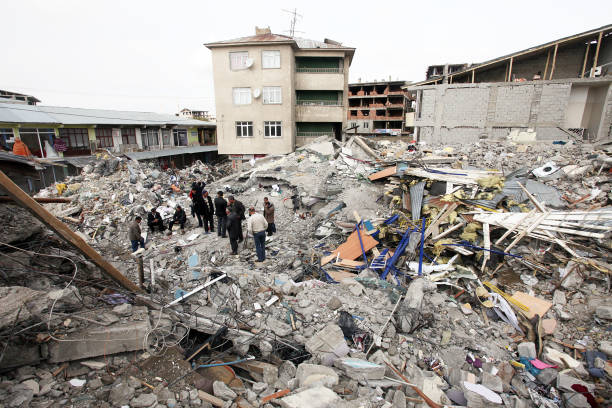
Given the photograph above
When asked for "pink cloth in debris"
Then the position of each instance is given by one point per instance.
(540, 365)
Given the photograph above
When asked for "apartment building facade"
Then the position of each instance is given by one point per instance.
(379, 108)
(275, 92)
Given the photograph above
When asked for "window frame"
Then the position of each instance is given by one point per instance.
(103, 135)
(128, 135)
(73, 136)
(240, 92)
(242, 126)
(273, 126)
(272, 91)
(180, 135)
(276, 59)
(245, 55)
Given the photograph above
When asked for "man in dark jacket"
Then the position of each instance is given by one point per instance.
(237, 207)
(154, 220)
(197, 204)
(179, 217)
(134, 234)
(268, 213)
(220, 211)
(209, 211)
(234, 231)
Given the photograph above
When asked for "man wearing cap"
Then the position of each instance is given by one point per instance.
(256, 226)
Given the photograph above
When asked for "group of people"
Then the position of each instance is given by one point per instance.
(230, 215)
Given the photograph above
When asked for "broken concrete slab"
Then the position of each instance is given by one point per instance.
(317, 397)
(95, 342)
(358, 369)
(328, 344)
(314, 374)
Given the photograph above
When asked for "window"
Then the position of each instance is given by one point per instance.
(104, 136)
(353, 124)
(75, 137)
(270, 59)
(244, 129)
(128, 136)
(366, 125)
(242, 96)
(150, 137)
(238, 60)
(180, 137)
(166, 137)
(6, 137)
(272, 95)
(272, 129)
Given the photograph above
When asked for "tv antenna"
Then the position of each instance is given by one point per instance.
(294, 18)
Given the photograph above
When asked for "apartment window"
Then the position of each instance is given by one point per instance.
(272, 129)
(366, 125)
(180, 137)
(128, 136)
(150, 137)
(270, 59)
(272, 95)
(238, 60)
(244, 129)
(242, 96)
(74, 137)
(353, 124)
(104, 136)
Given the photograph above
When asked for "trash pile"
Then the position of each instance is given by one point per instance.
(400, 275)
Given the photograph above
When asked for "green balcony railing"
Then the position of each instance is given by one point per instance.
(314, 134)
(313, 102)
(335, 70)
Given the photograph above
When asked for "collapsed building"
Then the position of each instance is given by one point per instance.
(548, 92)
(457, 275)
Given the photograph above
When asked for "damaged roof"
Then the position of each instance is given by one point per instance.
(301, 43)
(17, 113)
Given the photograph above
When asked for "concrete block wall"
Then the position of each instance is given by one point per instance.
(513, 104)
(553, 104)
(465, 106)
(468, 112)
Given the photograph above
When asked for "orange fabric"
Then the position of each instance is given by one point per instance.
(21, 149)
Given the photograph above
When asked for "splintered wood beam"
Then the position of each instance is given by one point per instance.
(554, 61)
(44, 200)
(595, 58)
(23, 199)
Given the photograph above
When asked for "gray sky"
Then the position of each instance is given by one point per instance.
(148, 55)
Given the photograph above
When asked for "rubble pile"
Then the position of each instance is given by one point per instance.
(400, 276)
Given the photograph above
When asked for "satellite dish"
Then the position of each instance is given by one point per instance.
(248, 62)
(256, 93)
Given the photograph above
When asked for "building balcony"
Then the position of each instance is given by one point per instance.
(319, 111)
(319, 81)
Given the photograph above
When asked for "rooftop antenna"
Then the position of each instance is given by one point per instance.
(294, 17)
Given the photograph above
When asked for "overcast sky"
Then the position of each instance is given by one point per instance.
(148, 55)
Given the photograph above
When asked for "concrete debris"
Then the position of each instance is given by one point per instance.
(478, 272)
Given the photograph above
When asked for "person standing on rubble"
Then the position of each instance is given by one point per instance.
(197, 203)
(179, 217)
(154, 220)
(257, 226)
(234, 230)
(269, 216)
(209, 211)
(134, 234)
(221, 212)
(237, 207)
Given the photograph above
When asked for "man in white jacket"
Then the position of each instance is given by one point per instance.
(256, 226)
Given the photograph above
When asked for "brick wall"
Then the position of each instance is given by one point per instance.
(553, 104)
(465, 106)
(513, 104)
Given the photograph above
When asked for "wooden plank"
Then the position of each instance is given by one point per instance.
(211, 399)
(510, 70)
(448, 231)
(339, 276)
(510, 230)
(64, 232)
(586, 56)
(4, 199)
(389, 171)
(596, 57)
(487, 245)
(351, 249)
(525, 232)
(546, 67)
(554, 61)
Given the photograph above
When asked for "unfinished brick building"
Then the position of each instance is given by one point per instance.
(378, 108)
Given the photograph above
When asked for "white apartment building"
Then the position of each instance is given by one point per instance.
(275, 92)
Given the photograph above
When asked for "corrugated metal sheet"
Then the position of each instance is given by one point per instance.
(416, 199)
(152, 154)
(17, 113)
(21, 113)
(15, 158)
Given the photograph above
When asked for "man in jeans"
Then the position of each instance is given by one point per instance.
(256, 226)
(134, 234)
